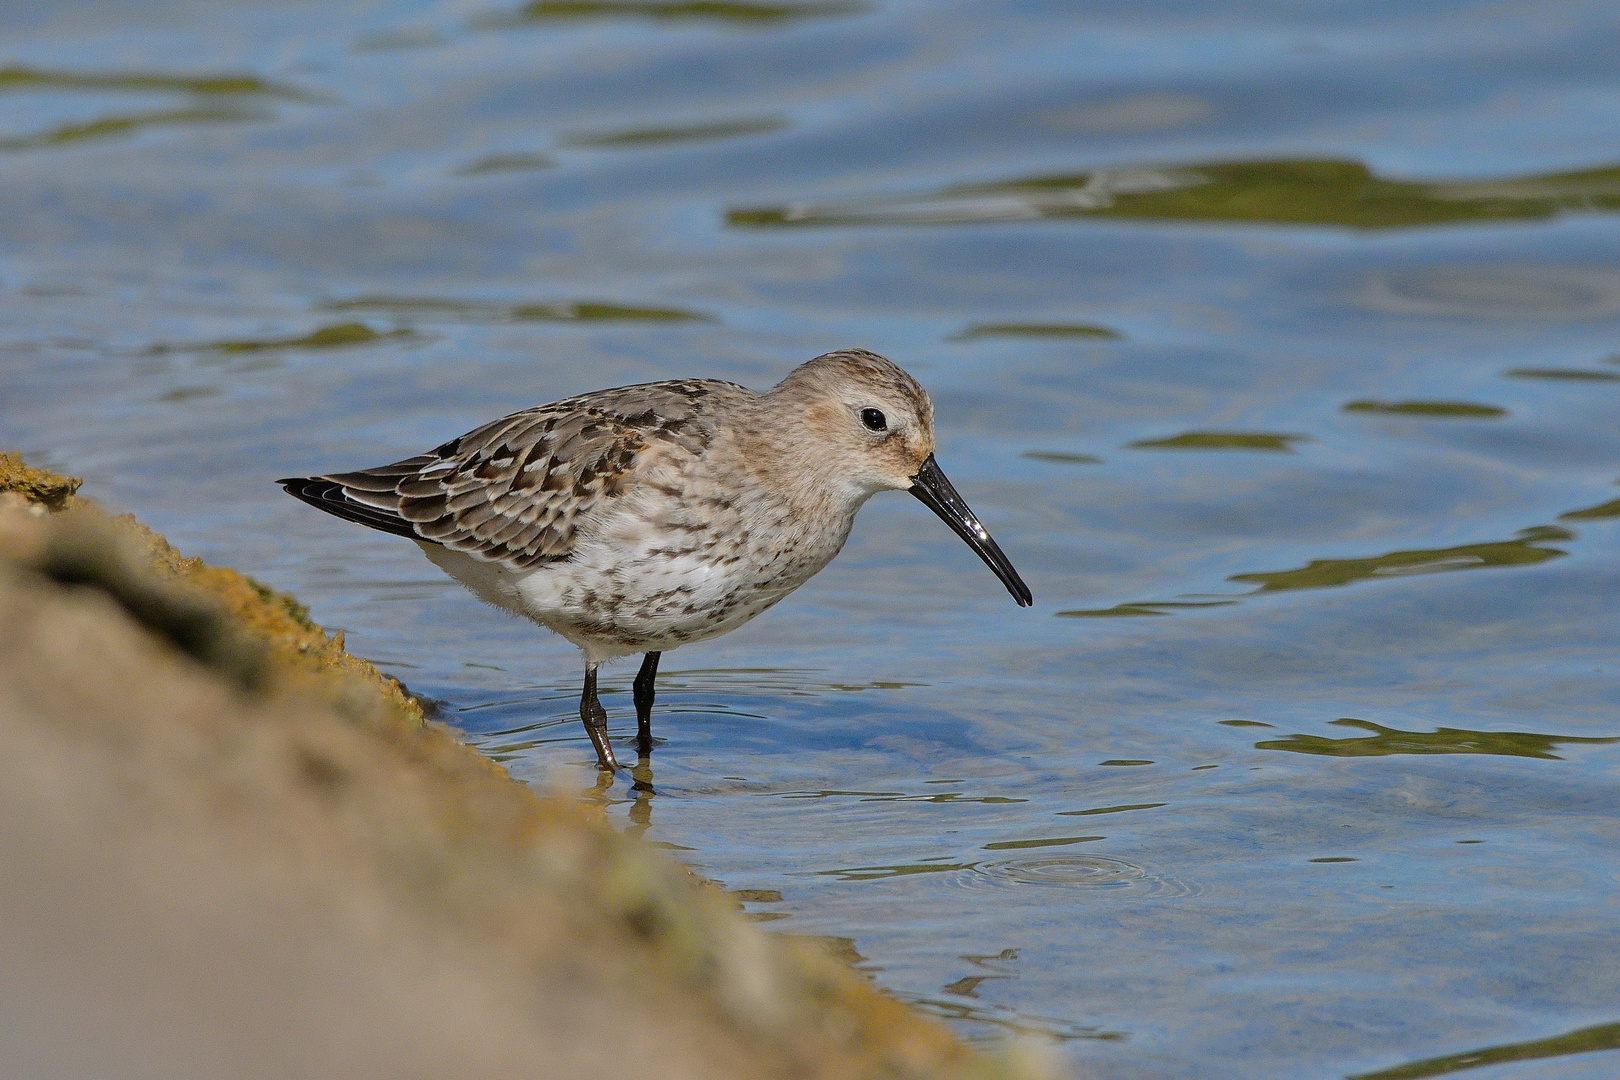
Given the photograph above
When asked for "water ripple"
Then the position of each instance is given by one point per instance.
(1102, 873)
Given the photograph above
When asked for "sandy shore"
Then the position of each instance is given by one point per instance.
(233, 849)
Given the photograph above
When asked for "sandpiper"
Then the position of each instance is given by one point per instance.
(644, 517)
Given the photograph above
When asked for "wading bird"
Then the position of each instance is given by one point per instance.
(644, 517)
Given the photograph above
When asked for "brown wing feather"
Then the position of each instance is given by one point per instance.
(513, 490)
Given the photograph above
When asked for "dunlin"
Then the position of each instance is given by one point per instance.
(645, 517)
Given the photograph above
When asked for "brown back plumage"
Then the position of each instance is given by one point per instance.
(513, 490)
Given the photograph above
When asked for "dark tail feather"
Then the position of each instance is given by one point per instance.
(328, 495)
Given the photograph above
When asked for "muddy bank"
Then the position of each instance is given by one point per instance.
(233, 849)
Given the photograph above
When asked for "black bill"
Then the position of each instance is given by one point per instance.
(938, 495)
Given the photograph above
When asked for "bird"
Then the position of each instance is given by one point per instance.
(641, 518)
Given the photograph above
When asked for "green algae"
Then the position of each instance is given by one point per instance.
(1589, 1040)
(1222, 440)
(517, 161)
(1332, 573)
(451, 310)
(1111, 809)
(1563, 374)
(1601, 511)
(215, 99)
(1058, 331)
(337, 336)
(1444, 409)
(1056, 457)
(1051, 841)
(1385, 741)
(671, 10)
(22, 77)
(654, 136)
(1287, 192)
(882, 873)
(1158, 607)
(119, 125)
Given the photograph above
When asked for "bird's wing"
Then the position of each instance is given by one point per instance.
(513, 490)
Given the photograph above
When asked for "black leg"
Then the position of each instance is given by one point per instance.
(594, 717)
(644, 702)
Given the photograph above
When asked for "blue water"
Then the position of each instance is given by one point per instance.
(1302, 765)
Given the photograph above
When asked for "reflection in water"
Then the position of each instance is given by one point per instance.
(1002, 1021)
(1222, 440)
(794, 682)
(431, 309)
(216, 99)
(191, 393)
(1610, 509)
(1052, 841)
(1563, 374)
(517, 161)
(1111, 809)
(747, 13)
(880, 873)
(641, 786)
(968, 985)
(1058, 458)
(1386, 741)
(1329, 573)
(901, 796)
(1326, 573)
(975, 331)
(1585, 1041)
(839, 948)
(1155, 607)
(756, 896)
(18, 77)
(1425, 408)
(339, 336)
(507, 727)
(122, 124)
(1296, 192)
(721, 129)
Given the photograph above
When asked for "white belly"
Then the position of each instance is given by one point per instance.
(622, 594)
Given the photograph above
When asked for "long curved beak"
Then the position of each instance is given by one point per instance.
(936, 492)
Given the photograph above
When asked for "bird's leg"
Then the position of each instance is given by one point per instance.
(644, 702)
(595, 720)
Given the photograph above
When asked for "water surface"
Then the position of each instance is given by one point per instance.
(1276, 343)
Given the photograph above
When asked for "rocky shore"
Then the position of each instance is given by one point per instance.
(233, 849)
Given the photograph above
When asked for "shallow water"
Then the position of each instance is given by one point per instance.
(1276, 343)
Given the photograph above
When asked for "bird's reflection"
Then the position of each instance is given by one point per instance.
(642, 786)
(641, 790)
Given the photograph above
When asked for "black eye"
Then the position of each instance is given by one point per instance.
(874, 420)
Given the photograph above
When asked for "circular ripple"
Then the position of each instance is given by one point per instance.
(1093, 872)
(1496, 292)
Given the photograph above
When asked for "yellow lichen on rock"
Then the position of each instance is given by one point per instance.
(35, 485)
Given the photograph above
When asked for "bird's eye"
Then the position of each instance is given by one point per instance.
(874, 420)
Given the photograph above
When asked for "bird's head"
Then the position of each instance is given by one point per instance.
(869, 427)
